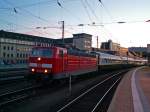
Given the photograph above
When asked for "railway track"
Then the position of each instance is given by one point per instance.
(14, 96)
(12, 73)
(10, 76)
(92, 100)
(10, 98)
(12, 69)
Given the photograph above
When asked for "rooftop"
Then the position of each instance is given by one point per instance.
(19, 36)
(81, 35)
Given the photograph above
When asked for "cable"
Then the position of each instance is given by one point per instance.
(42, 19)
(29, 5)
(59, 4)
(91, 9)
(68, 11)
(32, 29)
(106, 9)
(35, 4)
(88, 14)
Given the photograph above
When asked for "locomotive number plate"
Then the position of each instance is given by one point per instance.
(38, 65)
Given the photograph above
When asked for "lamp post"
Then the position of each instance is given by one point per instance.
(63, 26)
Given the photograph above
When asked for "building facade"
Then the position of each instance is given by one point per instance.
(15, 48)
(139, 51)
(148, 53)
(82, 41)
(148, 48)
(123, 51)
(111, 46)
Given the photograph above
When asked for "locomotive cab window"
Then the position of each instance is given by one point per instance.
(42, 52)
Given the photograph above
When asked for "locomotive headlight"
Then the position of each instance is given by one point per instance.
(33, 70)
(45, 71)
(39, 58)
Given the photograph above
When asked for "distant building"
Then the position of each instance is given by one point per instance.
(148, 52)
(123, 51)
(148, 48)
(67, 41)
(15, 47)
(111, 46)
(105, 46)
(80, 41)
(139, 51)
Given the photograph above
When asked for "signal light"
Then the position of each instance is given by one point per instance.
(39, 58)
(33, 70)
(45, 71)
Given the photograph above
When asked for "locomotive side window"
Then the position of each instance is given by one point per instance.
(61, 53)
(42, 52)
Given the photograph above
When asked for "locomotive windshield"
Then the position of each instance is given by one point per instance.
(42, 52)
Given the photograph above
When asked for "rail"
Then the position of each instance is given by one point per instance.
(90, 99)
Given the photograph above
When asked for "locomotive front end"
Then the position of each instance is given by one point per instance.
(41, 63)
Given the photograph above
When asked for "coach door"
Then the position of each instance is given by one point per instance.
(61, 56)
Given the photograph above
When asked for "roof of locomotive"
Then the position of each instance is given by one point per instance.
(71, 51)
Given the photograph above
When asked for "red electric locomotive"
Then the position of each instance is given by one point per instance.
(58, 62)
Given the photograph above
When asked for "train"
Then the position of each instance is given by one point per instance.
(60, 62)
(111, 62)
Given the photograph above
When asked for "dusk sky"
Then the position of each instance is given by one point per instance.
(98, 17)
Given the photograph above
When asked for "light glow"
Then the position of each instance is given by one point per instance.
(45, 71)
(39, 58)
(33, 70)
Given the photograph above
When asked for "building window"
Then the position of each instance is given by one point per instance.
(4, 54)
(8, 48)
(23, 55)
(7, 61)
(8, 55)
(17, 55)
(12, 55)
(4, 47)
(17, 61)
(20, 55)
(12, 48)
(26, 55)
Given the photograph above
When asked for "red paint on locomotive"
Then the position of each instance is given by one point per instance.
(58, 62)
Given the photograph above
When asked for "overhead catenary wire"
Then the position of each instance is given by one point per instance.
(86, 10)
(37, 17)
(93, 24)
(106, 9)
(18, 10)
(92, 10)
(29, 5)
(28, 12)
(68, 11)
(94, 14)
(59, 4)
(22, 26)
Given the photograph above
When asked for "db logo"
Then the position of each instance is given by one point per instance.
(38, 65)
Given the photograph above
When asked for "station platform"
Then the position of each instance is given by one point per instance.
(133, 92)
